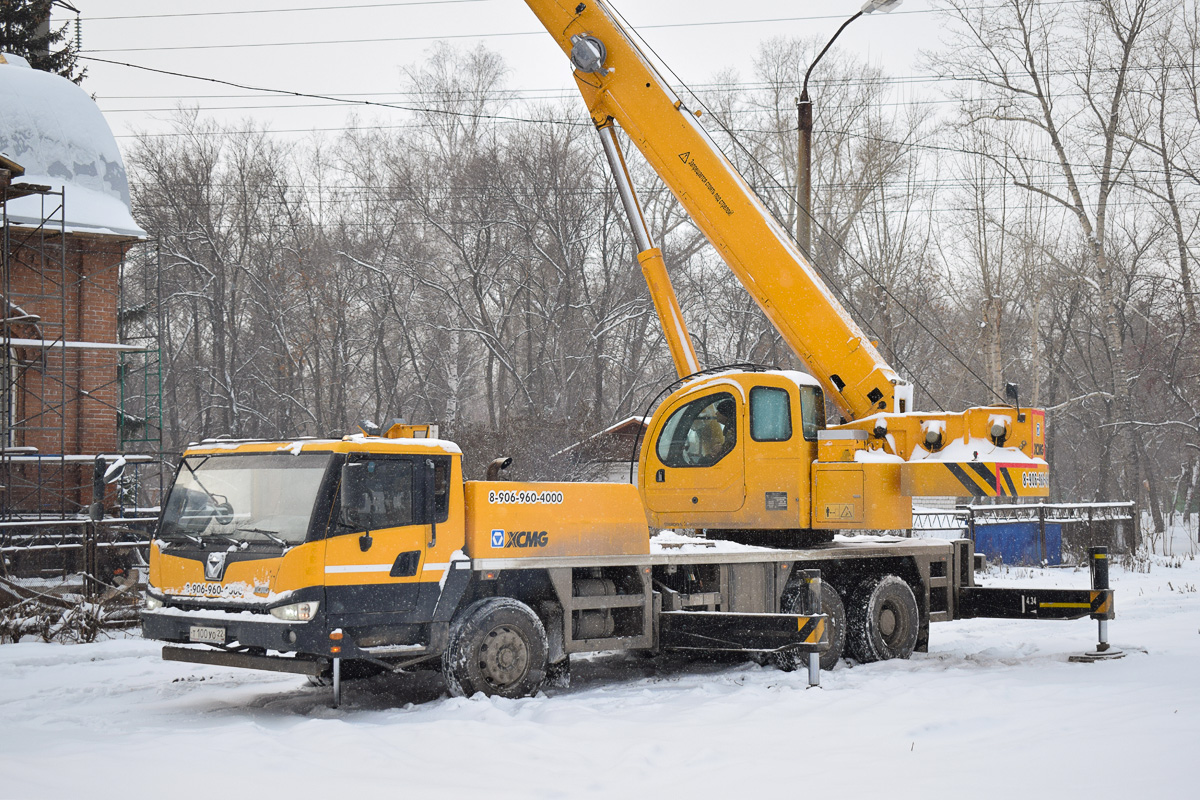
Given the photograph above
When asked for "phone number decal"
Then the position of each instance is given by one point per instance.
(525, 498)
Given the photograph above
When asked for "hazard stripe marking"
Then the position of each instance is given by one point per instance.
(811, 629)
(982, 471)
(1012, 487)
(1101, 602)
(966, 480)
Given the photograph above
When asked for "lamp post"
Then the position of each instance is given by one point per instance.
(804, 119)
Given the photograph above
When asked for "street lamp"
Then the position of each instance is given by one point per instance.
(804, 116)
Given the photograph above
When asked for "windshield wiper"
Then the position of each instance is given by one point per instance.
(269, 534)
(228, 538)
(196, 539)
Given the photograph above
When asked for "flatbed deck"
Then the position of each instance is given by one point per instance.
(699, 552)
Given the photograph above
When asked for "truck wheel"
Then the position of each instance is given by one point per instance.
(497, 646)
(883, 619)
(795, 601)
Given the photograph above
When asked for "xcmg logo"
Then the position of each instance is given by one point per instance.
(519, 538)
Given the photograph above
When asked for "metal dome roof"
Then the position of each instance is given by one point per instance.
(56, 132)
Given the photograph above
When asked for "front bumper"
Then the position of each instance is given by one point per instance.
(241, 629)
(315, 667)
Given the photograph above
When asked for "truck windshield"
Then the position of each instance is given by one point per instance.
(244, 498)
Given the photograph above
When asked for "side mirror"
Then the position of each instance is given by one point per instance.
(115, 470)
(1012, 394)
(223, 512)
(348, 496)
(430, 500)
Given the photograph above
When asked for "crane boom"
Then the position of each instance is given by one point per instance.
(618, 83)
(894, 453)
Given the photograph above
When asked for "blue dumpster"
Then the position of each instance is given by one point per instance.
(1017, 543)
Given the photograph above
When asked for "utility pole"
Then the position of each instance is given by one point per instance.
(804, 135)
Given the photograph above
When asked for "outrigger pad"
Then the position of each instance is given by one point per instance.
(1107, 654)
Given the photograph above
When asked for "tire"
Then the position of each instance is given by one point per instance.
(497, 646)
(795, 601)
(883, 620)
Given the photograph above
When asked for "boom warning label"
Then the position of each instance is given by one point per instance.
(691, 162)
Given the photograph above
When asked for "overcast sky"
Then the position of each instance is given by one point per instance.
(317, 46)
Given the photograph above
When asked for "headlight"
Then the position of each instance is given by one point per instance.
(297, 612)
(152, 603)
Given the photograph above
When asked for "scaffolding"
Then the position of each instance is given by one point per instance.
(55, 514)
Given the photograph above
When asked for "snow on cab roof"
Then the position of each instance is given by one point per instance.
(797, 377)
(312, 444)
(53, 129)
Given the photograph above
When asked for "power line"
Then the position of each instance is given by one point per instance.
(432, 37)
(426, 37)
(340, 100)
(467, 190)
(562, 96)
(281, 10)
(358, 6)
(336, 101)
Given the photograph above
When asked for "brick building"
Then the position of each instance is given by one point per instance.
(67, 228)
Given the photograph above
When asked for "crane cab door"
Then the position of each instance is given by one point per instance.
(697, 462)
(376, 542)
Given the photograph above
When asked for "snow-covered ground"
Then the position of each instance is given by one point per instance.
(993, 710)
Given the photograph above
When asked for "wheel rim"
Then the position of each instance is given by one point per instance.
(892, 625)
(503, 657)
(887, 622)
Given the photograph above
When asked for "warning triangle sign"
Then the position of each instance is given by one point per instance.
(685, 156)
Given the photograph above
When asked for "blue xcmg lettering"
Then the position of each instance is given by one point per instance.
(527, 539)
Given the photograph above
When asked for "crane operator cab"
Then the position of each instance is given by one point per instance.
(739, 452)
(734, 451)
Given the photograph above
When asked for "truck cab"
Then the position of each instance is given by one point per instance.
(306, 537)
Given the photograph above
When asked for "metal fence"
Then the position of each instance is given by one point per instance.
(1083, 525)
(77, 556)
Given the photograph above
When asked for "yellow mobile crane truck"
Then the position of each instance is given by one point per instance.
(373, 552)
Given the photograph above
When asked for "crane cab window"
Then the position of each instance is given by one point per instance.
(700, 433)
(770, 414)
(812, 411)
(378, 494)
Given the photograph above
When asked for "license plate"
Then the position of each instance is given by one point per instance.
(199, 633)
